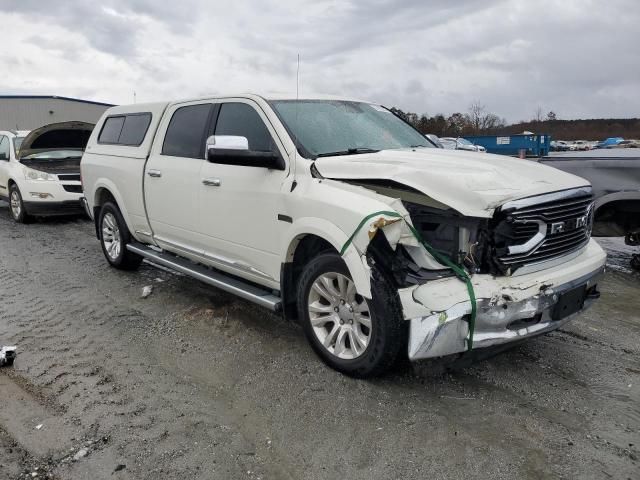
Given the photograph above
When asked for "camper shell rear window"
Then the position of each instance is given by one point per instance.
(127, 129)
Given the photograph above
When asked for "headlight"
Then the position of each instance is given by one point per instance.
(31, 174)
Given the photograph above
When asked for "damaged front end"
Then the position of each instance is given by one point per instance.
(505, 312)
(520, 277)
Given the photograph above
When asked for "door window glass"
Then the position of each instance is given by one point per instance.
(186, 131)
(242, 120)
(4, 148)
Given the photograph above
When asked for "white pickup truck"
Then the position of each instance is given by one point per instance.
(344, 218)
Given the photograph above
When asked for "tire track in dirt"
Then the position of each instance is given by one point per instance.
(193, 383)
(64, 330)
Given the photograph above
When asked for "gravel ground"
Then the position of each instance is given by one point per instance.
(193, 383)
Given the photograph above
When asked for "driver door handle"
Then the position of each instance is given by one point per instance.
(211, 182)
(154, 173)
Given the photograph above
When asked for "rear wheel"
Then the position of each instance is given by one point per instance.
(16, 205)
(352, 334)
(114, 238)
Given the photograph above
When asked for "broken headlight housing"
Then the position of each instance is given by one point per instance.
(461, 239)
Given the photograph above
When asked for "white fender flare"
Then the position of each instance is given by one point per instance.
(111, 187)
(356, 262)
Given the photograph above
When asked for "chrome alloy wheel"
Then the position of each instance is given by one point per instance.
(340, 318)
(111, 236)
(15, 204)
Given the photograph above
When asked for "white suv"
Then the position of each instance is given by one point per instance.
(40, 170)
(343, 217)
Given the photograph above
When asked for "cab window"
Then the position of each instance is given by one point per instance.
(128, 130)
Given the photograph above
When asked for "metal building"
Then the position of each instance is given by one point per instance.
(26, 112)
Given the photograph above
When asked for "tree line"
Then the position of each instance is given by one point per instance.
(479, 121)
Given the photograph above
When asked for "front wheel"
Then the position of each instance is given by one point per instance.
(352, 334)
(16, 205)
(114, 238)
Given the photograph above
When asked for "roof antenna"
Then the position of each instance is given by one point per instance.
(295, 139)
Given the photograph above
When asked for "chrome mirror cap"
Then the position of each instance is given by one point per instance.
(227, 142)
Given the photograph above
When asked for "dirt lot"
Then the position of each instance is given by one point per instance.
(194, 383)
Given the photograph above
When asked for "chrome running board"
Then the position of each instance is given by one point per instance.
(215, 278)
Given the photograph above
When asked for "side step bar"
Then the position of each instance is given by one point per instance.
(253, 293)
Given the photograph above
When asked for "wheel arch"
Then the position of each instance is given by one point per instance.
(104, 192)
(617, 214)
(308, 238)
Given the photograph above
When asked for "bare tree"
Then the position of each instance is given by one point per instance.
(481, 121)
(476, 116)
(538, 116)
(552, 116)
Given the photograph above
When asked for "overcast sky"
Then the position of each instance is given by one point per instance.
(579, 58)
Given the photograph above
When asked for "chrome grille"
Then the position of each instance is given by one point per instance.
(69, 176)
(562, 222)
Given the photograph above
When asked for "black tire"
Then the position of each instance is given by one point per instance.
(22, 216)
(388, 334)
(123, 259)
(632, 239)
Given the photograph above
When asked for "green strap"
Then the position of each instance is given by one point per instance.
(441, 258)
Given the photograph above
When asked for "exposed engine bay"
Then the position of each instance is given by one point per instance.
(67, 165)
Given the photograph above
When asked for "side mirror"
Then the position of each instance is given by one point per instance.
(227, 142)
(234, 150)
(3, 156)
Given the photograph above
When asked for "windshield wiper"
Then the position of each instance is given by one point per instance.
(349, 151)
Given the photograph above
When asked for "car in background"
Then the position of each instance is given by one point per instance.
(10, 142)
(628, 144)
(462, 144)
(610, 142)
(559, 146)
(580, 145)
(40, 170)
(448, 144)
(434, 139)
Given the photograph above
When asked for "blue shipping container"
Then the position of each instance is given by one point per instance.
(533, 145)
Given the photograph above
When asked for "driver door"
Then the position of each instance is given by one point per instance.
(239, 204)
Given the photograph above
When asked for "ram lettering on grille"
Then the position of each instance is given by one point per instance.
(542, 228)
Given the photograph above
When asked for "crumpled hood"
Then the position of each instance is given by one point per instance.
(56, 136)
(472, 183)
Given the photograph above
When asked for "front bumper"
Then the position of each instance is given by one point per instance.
(509, 309)
(46, 209)
(51, 197)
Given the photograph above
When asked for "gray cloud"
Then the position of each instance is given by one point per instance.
(435, 56)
